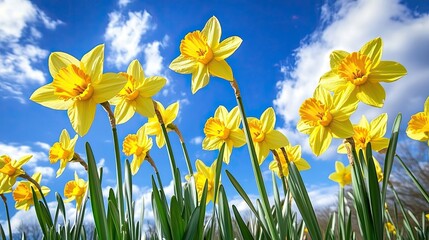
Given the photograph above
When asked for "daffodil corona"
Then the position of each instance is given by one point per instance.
(153, 127)
(264, 136)
(224, 128)
(136, 96)
(63, 150)
(358, 75)
(293, 154)
(202, 55)
(10, 171)
(78, 86)
(418, 126)
(137, 145)
(325, 116)
(75, 190)
(23, 195)
(203, 174)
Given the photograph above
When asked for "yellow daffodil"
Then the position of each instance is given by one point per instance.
(373, 133)
(168, 116)
(342, 175)
(23, 195)
(358, 74)
(78, 86)
(325, 116)
(75, 190)
(62, 150)
(224, 128)
(293, 155)
(202, 55)
(427, 216)
(418, 126)
(203, 174)
(264, 136)
(378, 170)
(136, 96)
(10, 171)
(391, 228)
(137, 145)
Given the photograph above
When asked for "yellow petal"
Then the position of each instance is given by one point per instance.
(212, 31)
(323, 95)
(171, 113)
(160, 140)
(373, 49)
(93, 63)
(59, 60)
(211, 143)
(378, 126)
(303, 127)
(135, 70)
(124, 111)
(183, 65)
(268, 119)
(227, 47)
(221, 113)
(275, 139)
(22, 161)
(151, 86)
(387, 71)
(81, 116)
(301, 164)
(202, 168)
(320, 139)
(135, 164)
(63, 165)
(237, 137)
(379, 144)
(72, 144)
(342, 149)
(336, 57)
(372, 94)
(45, 97)
(227, 152)
(108, 87)
(64, 138)
(341, 129)
(221, 69)
(332, 82)
(200, 78)
(339, 166)
(233, 120)
(426, 106)
(363, 122)
(144, 106)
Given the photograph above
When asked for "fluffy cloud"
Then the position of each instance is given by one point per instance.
(16, 151)
(197, 140)
(19, 52)
(347, 25)
(124, 33)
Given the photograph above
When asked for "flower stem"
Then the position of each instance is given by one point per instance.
(255, 165)
(280, 167)
(182, 142)
(7, 215)
(36, 184)
(120, 191)
(78, 159)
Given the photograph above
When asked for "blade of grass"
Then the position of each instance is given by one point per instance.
(414, 179)
(224, 215)
(244, 230)
(377, 206)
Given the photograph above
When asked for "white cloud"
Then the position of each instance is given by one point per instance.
(47, 172)
(42, 145)
(18, 50)
(16, 151)
(123, 3)
(124, 33)
(347, 25)
(197, 140)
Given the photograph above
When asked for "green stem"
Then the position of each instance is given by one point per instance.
(182, 142)
(255, 165)
(120, 191)
(7, 215)
(341, 219)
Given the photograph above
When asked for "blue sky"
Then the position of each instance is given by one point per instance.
(285, 49)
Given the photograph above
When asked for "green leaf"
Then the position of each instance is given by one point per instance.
(224, 215)
(244, 230)
(160, 214)
(61, 208)
(193, 229)
(202, 211)
(178, 228)
(96, 196)
(278, 208)
(414, 179)
(377, 207)
(80, 217)
(129, 198)
(2, 234)
(303, 202)
(330, 228)
(40, 215)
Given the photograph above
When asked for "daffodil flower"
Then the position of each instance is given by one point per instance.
(358, 74)
(202, 55)
(23, 195)
(63, 150)
(342, 175)
(224, 128)
(264, 136)
(325, 116)
(78, 86)
(136, 96)
(137, 145)
(10, 171)
(75, 190)
(418, 126)
(294, 155)
(391, 228)
(203, 174)
(153, 127)
(373, 133)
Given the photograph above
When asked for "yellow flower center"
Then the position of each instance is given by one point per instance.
(195, 46)
(22, 193)
(129, 92)
(315, 113)
(347, 178)
(57, 152)
(419, 123)
(73, 189)
(255, 127)
(7, 168)
(355, 68)
(130, 145)
(361, 137)
(72, 82)
(216, 128)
